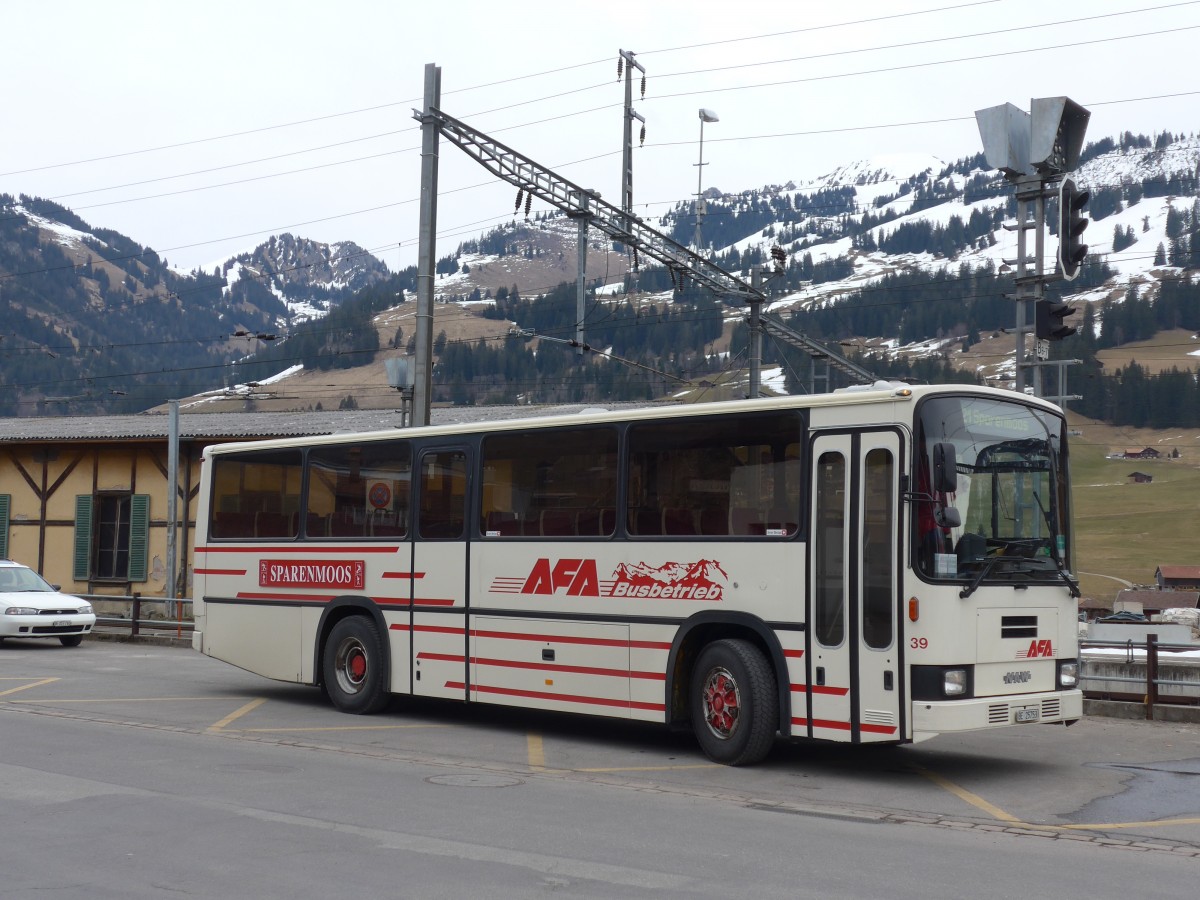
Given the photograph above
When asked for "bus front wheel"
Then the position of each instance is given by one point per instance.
(353, 666)
(735, 710)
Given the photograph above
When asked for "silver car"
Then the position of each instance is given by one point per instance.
(31, 608)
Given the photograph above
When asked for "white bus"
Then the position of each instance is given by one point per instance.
(871, 565)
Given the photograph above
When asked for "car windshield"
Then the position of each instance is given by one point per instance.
(18, 579)
(1011, 495)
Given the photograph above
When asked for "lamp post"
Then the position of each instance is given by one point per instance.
(706, 115)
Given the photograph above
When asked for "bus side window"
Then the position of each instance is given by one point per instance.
(733, 475)
(359, 490)
(549, 483)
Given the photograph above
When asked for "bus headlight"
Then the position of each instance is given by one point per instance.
(954, 682)
(1068, 673)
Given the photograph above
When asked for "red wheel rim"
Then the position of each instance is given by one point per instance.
(722, 703)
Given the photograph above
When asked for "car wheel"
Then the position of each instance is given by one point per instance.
(735, 707)
(71, 640)
(354, 665)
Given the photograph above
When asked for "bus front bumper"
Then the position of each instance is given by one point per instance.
(931, 718)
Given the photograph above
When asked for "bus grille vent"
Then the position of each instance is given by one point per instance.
(878, 717)
(1051, 709)
(998, 714)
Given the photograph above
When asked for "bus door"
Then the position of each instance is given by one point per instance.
(439, 575)
(854, 672)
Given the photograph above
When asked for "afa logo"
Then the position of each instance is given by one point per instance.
(578, 576)
(1038, 648)
(701, 580)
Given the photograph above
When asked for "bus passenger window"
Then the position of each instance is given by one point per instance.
(255, 494)
(559, 482)
(359, 490)
(701, 477)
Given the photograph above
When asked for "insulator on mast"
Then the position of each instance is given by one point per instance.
(620, 67)
(517, 207)
(642, 139)
(528, 204)
(643, 87)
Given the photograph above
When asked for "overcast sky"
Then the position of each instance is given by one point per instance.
(302, 111)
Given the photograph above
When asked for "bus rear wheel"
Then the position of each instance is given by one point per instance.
(734, 703)
(353, 667)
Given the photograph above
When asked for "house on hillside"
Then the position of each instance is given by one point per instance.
(1178, 578)
(1139, 478)
(1141, 453)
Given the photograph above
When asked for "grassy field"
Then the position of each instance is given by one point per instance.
(1125, 530)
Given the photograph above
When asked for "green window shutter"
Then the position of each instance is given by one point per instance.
(83, 536)
(139, 536)
(5, 504)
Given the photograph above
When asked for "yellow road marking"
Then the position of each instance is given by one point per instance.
(338, 728)
(26, 687)
(126, 699)
(966, 796)
(238, 713)
(536, 752)
(1117, 825)
(653, 768)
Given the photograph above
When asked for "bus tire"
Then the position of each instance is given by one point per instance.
(353, 666)
(734, 703)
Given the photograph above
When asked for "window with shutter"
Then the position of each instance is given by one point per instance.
(83, 537)
(5, 505)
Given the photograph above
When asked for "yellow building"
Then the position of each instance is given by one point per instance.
(83, 500)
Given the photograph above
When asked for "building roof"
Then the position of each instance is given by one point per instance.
(254, 425)
(1190, 573)
(1150, 599)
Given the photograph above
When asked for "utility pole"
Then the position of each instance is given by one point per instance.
(430, 133)
(627, 64)
(581, 216)
(172, 503)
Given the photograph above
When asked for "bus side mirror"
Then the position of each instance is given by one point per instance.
(945, 468)
(947, 517)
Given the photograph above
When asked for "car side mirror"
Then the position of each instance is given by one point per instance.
(945, 468)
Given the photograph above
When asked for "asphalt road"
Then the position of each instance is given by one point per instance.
(129, 770)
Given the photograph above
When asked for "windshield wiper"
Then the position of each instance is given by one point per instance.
(984, 570)
(1072, 585)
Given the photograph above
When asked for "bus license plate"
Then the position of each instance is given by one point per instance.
(1028, 714)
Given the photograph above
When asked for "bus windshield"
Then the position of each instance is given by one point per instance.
(1007, 518)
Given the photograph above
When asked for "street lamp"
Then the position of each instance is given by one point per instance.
(706, 115)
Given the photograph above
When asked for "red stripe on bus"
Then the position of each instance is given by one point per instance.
(844, 726)
(820, 689)
(403, 574)
(219, 571)
(440, 629)
(292, 548)
(565, 639)
(545, 667)
(317, 598)
(560, 698)
(432, 601)
(793, 654)
(822, 723)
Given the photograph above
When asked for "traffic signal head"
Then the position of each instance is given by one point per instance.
(1071, 225)
(1048, 320)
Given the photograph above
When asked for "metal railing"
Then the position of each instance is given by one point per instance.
(1144, 687)
(175, 619)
